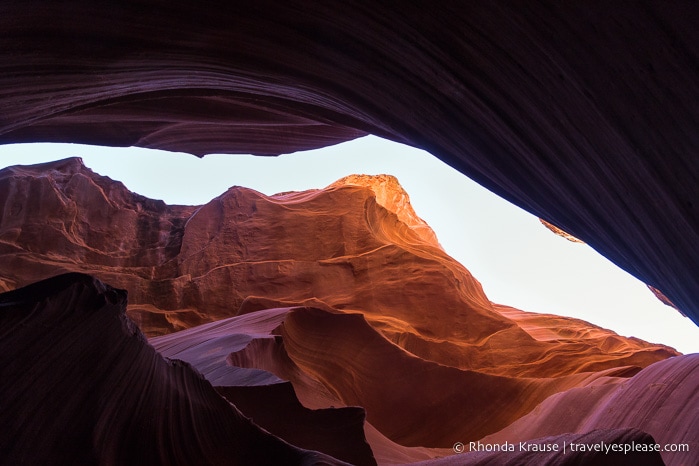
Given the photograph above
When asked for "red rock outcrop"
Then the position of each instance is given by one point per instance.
(82, 386)
(583, 114)
(334, 360)
(270, 401)
(360, 367)
(355, 246)
(344, 292)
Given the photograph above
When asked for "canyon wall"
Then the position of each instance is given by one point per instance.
(584, 114)
(331, 317)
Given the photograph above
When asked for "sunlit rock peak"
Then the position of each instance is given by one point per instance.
(391, 195)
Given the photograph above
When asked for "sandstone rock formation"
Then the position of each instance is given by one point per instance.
(583, 114)
(355, 246)
(660, 400)
(307, 310)
(82, 386)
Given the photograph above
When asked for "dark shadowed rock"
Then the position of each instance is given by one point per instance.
(583, 113)
(82, 386)
(343, 291)
(259, 394)
(385, 307)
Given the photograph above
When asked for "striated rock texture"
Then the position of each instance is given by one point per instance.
(322, 315)
(269, 400)
(583, 113)
(82, 386)
(355, 246)
(662, 400)
(103, 396)
(334, 359)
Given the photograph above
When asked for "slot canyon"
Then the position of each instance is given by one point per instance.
(329, 326)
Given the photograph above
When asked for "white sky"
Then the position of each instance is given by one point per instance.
(518, 261)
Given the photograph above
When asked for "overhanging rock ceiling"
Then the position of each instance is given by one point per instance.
(584, 113)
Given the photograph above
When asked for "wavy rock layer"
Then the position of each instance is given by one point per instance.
(267, 399)
(355, 246)
(412, 401)
(662, 399)
(583, 114)
(82, 386)
(340, 359)
(334, 359)
(344, 292)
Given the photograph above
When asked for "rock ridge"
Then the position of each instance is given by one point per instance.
(584, 115)
(325, 299)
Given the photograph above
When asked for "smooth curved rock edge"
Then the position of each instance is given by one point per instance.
(343, 352)
(245, 253)
(81, 386)
(662, 400)
(336, 359)
(582, 113)
(267, 399)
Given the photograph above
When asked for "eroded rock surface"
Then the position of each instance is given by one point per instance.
(662, 400)
(338, 306)
(355, 246)
(82, 386)
(583, 114)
